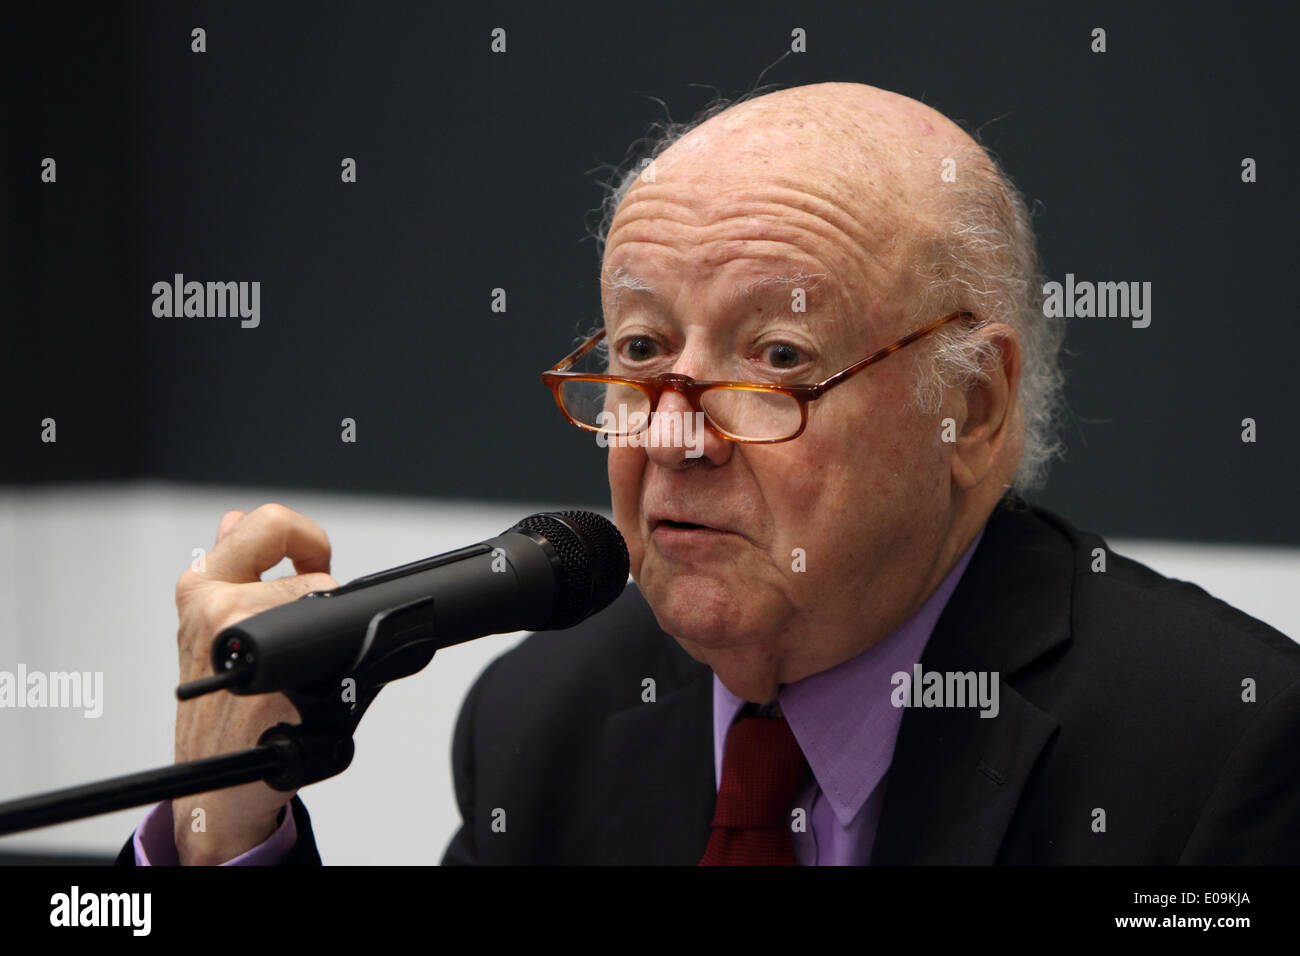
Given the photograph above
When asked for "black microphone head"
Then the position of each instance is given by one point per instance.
(593, 557)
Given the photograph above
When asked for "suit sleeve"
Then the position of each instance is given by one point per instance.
(463, 850)
(1253, 813)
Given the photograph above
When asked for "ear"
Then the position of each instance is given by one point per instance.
(984, 413)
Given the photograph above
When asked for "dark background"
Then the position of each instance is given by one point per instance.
(476, 171)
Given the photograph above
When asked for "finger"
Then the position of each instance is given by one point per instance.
(290, 589)
(263, 538)
(258, 596)
(228, 522)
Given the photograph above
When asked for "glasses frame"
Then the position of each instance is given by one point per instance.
(691, 389)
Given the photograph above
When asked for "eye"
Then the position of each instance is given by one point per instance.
(639, 349)
(783, 355)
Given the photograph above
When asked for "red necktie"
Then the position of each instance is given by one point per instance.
(763, 770)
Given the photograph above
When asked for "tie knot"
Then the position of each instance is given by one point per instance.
(763, 770)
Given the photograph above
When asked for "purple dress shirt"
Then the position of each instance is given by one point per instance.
(842, 718)
(846, 726)
(155, 844)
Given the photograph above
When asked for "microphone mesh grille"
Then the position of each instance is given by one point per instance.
(594, 557)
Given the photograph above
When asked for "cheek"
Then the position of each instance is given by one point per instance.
(810, 505)
(884, 446)
(626, 467)
(867, 471)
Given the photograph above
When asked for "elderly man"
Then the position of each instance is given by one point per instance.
(850, 641)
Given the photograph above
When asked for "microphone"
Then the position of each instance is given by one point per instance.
(548, 572)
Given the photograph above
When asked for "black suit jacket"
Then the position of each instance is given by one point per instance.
(1120, 691)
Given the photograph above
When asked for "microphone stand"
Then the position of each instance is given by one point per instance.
(399, 642)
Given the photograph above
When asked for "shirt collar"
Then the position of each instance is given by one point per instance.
(842, 717)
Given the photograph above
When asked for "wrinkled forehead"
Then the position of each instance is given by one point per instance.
(760, 237)
(845, 194)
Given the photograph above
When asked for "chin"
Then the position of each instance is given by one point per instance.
(704, 610)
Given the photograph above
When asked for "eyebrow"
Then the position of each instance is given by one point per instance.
(808, 280)
(622, 281)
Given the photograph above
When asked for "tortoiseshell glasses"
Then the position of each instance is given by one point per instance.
(748, 412)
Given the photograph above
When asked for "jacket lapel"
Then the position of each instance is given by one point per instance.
(956, 777)
(657, 772)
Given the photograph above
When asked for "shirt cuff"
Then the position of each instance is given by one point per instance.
(155, 843)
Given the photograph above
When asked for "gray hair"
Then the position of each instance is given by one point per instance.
(982, 256)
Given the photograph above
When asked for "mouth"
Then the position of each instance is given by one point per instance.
(679, 527)
(681, 540)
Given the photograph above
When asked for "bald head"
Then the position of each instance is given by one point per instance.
(867, 161)
(854, 138)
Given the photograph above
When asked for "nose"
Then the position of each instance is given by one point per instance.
(678, 435)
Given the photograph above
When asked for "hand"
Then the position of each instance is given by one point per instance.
(229, 589)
